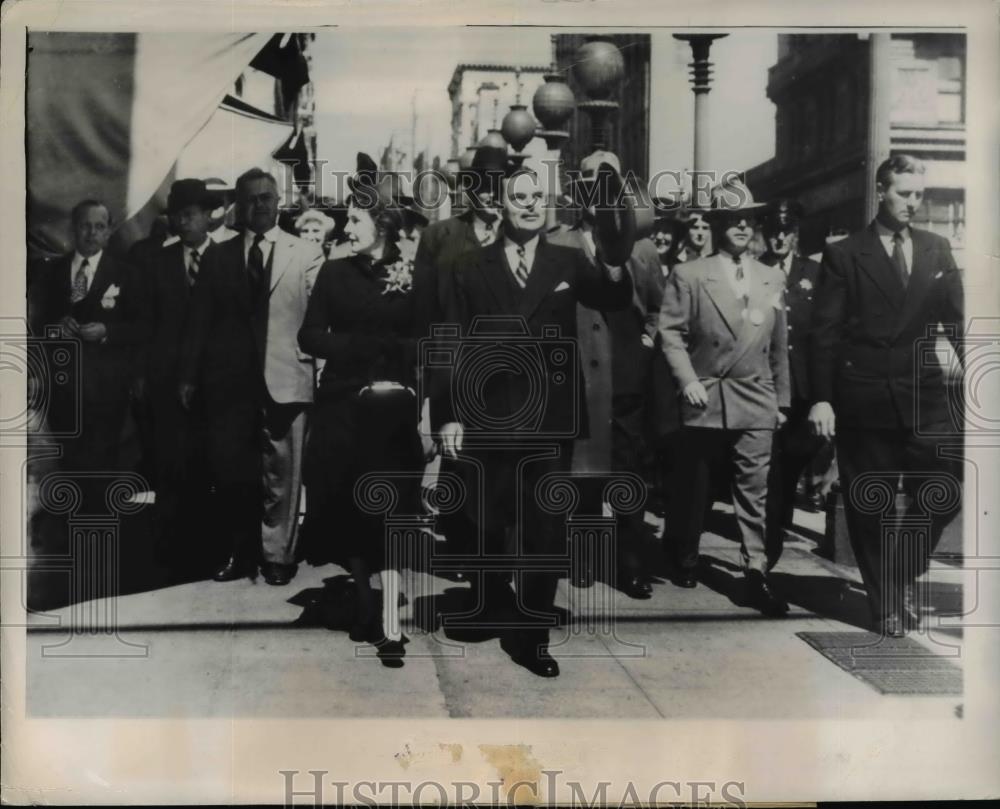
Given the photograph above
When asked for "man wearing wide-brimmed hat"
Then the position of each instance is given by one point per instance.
(616, 349)
(166, 283)
(723, 332)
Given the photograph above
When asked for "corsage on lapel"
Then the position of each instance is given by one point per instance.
(110, 298)
(399, 277)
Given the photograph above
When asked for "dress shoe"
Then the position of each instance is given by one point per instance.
(763, 597)
(278, 575)
(636, 587)
(234, 569)
(390, 652)
(535, 659)
(685, 578)
(891, 626)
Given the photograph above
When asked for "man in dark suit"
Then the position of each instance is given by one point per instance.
(489, 410)
(241, 349)
(616, 349)
(440, 245)
(794, 446)
(165, 286)
(723, 332)
(881, 293)
(87, 294)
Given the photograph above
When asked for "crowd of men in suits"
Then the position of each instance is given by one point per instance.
(732, 372)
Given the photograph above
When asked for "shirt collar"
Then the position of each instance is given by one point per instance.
(200, 249)
(529, 246)
(92, 261)
(269, 236)
(886, 233)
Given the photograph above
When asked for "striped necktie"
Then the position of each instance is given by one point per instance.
(194, 264)
(521, 272)
(80, 282)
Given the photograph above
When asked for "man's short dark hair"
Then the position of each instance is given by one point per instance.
(897, 164)
(85, 205)
(254, 174)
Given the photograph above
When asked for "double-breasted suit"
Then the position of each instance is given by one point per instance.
(520, 417)
(738, 351)
(242, 352)
(869, 359)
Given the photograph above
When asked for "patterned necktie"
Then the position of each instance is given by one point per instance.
(738, 261)
(255, 265)
(899, 258)
(193, 266)
(521, 273)
(80, 282)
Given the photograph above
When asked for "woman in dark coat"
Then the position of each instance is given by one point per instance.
(366, 416)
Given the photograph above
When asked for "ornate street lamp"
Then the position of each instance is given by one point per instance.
(598, 67)
(553, 105)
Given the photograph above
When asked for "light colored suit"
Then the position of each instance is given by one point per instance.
(705, 335)
(739, 353)
(288, 371)
(289, 374)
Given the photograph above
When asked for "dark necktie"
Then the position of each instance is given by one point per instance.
(521, 272)
(899, 258)
(193, 266)
(255, 266)
(80, 282)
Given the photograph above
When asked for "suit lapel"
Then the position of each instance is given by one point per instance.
(102, 280)
(721, 294)
(494, 272)
(920, 278)
(541, 279)
(281, 258)
(878, 267)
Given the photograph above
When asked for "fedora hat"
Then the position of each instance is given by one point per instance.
(730, 196)
(489, 165)
(191, 192)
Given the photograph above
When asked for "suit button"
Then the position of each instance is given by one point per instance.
(716, 343)
(790, 347)
(594, 363)
(597, 327)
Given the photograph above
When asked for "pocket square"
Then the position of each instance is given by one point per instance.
(561, 287)
(939, 274)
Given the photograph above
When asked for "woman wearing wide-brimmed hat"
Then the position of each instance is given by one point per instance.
(360, 320)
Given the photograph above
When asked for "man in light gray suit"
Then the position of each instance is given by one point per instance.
(242, 352)
(723, 332)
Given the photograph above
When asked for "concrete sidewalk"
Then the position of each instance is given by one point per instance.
(244, 649)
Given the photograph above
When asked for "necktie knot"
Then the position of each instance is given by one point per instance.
(739, 268)
(257, 239)
(897, 237)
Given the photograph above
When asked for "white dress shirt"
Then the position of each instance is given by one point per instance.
(91, 268)
(270, 237)
(741, 288)
(513, 259)
(200, 250)
(885, 236)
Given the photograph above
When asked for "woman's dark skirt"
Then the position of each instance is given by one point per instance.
(360, 447)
